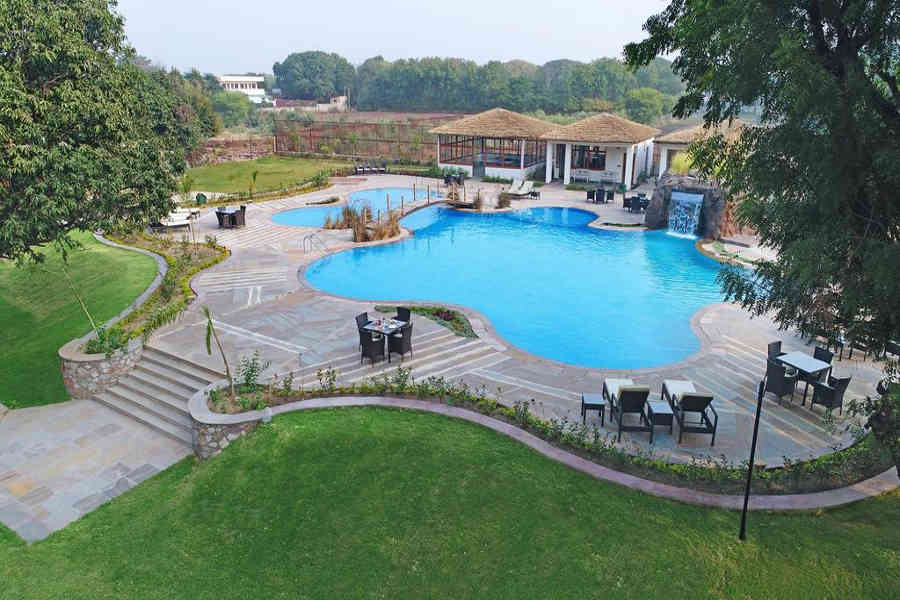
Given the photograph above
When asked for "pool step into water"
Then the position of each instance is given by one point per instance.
(157, 390)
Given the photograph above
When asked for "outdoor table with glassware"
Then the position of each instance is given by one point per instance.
(805, 364)
(385, 327)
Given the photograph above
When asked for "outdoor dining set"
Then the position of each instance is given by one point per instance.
(374, 334)
(784, 370)
(230, 218)
(637, 203)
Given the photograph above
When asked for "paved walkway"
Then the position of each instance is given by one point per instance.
(60, 461)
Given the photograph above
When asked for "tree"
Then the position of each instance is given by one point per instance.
(233, 107)
(88, 139)
(314, 75)
(818, 180)
(643, 104)
(210, 336)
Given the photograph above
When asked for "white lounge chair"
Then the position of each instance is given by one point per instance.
(524, 190)
(515, 186)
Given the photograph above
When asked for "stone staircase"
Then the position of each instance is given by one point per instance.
(156, 391)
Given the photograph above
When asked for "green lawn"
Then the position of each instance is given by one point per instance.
(38, 313)
(275, 172)
(374, 503)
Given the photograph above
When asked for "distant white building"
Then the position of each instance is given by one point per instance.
(251, 85)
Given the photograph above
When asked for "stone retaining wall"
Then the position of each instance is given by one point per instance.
(211, 439)
(87, 374)
(713, 217)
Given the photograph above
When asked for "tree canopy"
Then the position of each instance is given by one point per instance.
(314, 75)
(453, 84)
(818, 179)
(88, 138)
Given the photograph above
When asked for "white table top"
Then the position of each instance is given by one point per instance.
(803, 362)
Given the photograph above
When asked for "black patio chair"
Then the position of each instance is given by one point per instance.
(403, 314)
(626, 204)
(892, 347)
(778, 380)
(459, 179)
(372, 348)
(824, 355)
(448, 179)
(830, 394)
(610, 195)
(632, 399)
(239, 217)
(590, 195)
(401, 342)
(698, 404)
(362, 320)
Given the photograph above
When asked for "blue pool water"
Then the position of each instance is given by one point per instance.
(377, 199)
(548, 283)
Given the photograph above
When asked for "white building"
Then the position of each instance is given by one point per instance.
(676, 142)
(251, 85)
(602, 148)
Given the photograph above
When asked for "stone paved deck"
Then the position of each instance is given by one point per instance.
(262, 303)
(60, 461)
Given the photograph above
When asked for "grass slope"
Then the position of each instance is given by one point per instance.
(275, 172)
(38, 313)
(366, 503)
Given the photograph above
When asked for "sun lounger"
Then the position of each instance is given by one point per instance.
(524, 190)
(683, 398)
(515, 186)
(626, 398)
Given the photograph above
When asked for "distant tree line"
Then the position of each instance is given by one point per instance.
(457, 85)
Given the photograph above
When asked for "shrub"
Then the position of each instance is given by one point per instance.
(504, 200)
(681, 164)
(106, 342)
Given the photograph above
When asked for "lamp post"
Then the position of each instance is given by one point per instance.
(760, 391)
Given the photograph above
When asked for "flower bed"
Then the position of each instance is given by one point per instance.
(839, 469)
(452, 319)
(185, 259)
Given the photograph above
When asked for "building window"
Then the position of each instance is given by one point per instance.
(458, 149)
(592, 158)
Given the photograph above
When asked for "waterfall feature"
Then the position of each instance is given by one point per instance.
(684, 213)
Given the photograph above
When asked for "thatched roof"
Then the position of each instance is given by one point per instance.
(497, 122)
(689, 134)
(602, 129)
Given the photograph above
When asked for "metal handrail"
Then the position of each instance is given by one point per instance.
(310, 241)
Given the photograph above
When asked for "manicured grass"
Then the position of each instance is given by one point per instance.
(38, 313)
(275, 173)
(365, 503)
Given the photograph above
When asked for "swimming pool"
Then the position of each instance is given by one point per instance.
(377, 199)
(550, 284)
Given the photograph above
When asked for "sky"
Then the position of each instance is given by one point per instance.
(237, 36)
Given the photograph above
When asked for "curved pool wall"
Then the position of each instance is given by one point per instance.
(377, 199)
(549, 284)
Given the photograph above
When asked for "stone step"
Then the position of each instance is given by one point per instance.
(350, 363)
(154, 393)
(351, 359)
(146, 417)
(439, 354)
(162, 410)
(169, 381)
(203, 372)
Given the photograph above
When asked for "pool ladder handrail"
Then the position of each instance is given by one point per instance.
(310, 241)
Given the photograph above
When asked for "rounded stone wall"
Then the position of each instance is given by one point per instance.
(712, 217)
(87, 374)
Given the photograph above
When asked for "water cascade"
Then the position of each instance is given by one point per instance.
(684, 213)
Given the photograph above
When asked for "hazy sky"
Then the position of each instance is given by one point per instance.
(235, 36)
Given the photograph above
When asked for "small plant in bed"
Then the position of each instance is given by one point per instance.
(453, 320)
(331, 200)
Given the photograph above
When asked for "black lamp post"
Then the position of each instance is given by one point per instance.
(760, 390)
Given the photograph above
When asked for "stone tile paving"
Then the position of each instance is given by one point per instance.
(61, 461)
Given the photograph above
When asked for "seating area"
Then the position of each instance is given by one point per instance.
(602, 194)
(785, 370)
(231, 218)
(636, 204)
(374, 335)
(632, 409)
(180, 217)
(367, 167)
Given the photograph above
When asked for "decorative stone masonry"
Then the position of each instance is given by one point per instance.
(210, 439)
(714, 216)
(87, 374)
